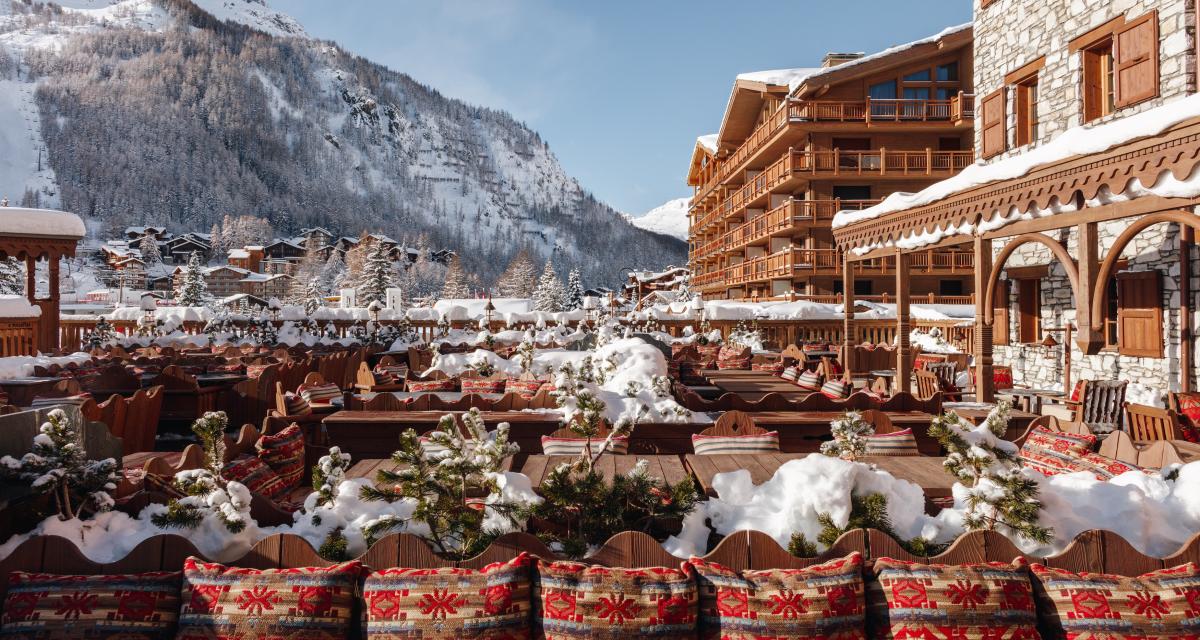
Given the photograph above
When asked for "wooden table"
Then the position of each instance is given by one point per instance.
(22, 391)
(1031, 399)
(667, 467)
(375, 434)
(367, 468)
(927, 472)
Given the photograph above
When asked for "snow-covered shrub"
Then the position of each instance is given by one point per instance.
(210, 497)
(850, 433)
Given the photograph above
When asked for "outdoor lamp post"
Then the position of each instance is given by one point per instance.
(148, 305)
(488, 310)
(373, 310)
(1049, 342)
(274, 306)
(589, 309)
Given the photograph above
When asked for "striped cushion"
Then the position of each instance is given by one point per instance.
(790, 374)
(284, 453)
(775, 367)
(836, 389)
(256, 475)
(297, 405)
(433, 386)
(483, 385)
(574, 446)
(397, 370)
(899, 443)
(1051, 453)
(319, 393)
(758, 443)
(809, 381)
(44, 401)
(383, 378)
(141, 606)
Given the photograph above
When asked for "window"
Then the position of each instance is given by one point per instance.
(1029, 308)
(1139, 314)
(918, 76)
(1111, 340)
(1099, 94)
(994, 125)
(1120, 64)
(1000, 323)
(947, 72)
(916, 93)
(950, 287)
(863, 287)
(1026, 108)
(883, 91)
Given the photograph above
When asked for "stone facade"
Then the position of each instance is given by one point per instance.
(1155, 249)
(1012, 33)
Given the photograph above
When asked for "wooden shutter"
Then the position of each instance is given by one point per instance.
(995, 138)
(1029, 305)
(1139, 314)
(1135, 52)
(1000, 324)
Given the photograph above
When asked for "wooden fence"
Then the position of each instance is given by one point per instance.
(18, 337)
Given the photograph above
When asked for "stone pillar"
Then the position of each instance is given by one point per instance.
(849, 340)
(982, 344)
(904, 358)
(1090, 339)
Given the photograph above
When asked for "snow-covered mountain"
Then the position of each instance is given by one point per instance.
(179, 112)
(669, 219)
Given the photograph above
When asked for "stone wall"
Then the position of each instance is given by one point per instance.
(1156, 248)
(1012, 33)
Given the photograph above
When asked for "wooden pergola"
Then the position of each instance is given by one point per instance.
(1066, 195)
(32, 235)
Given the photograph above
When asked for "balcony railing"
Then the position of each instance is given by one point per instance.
(880, 162)
(792, 262)
(786, 216)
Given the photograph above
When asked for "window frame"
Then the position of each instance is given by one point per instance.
(1025, 106)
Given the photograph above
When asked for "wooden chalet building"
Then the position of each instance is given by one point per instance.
(1081, 218)
(797, 145)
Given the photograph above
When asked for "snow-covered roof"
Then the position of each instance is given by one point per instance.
(263, 277)
(1078, 141)
(891, 51)
(18, 307)
(254, 247)
(708, 141)
(791, 78)
(41, 223)
(647, 276)
(239, 254)
(210, 270)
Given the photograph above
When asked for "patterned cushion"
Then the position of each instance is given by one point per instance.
(433, 386)
(821, 601)
(526, 388)
(1002, 378)
(1104, 467)
(815, 346)
(319, 393)
(142, 606)
(78, 400)
(809, 381)
(1188, 405)
(1077, 391)
(836, 389)
(833, 367)
(256, 475)
(989, 600)
(733, 357)
(313, 603)
(483, 385)
(1051, 453)
(574, 600)
(574, 446)
(284, 453)
(758, 443)
(491, 603)
(1161, 604)
(255, 370)
(383, 378)
(296, 405)
(775, 367)
(790, 374)
(897, 443)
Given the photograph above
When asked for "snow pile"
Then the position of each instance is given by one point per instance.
(708, 141)
(16, 221)
(806, 310)
(18, 307)
(22, 366)
(776, 508)
(929, 343)
(670, 218)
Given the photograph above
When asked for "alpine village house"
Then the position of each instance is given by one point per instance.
(1081, 214)
(797, 145)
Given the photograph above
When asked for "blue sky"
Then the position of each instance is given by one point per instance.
(619, 88)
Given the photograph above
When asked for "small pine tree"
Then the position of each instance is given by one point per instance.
(850, 433)
(1001, 494)
(209, 494)
(100, 335)
(440, 483)
(376, 277)
(192, 289)
(519, 279)
(12, 277)
(58, 466)
(549, 294)
(455, 286)
(525, 352)
(574, 295)
(149, 248)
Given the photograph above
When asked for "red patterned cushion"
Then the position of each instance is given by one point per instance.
(296, 405)
(1077, 391)
(483, 385)
(733, 357)
(526, 388)
(1002, 378)
(313, 603)
(574, 600)
(1160, 605)
(1104, 467)
(256, 475)
(1051, 453)
(143, 606)
(255, 370)
(433, 386)
(821, 601)
(1188, 405)
(284, 453)
(492, 603)
(774, 368)
(988, 600)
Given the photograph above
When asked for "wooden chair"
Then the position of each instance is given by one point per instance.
(734, 423)
(927, 384)
(947, 373)
(1120, 446)
(1101, 403)
(1150, 423)
(316, 415)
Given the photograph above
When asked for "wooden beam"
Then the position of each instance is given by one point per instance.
(1103, 213)
(903, 352)
(984, 384)
(849, 339)
(1187, 239)
(1090, 339)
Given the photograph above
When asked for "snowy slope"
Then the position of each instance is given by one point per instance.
(668, 219)
(254, 14)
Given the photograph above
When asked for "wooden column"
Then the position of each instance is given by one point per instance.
(1187, 238)
(904, 358)
(1089, 339)
(49, 321)
(849, 340)
(982, 348)
(31, 279)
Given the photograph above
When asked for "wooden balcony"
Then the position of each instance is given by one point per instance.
(791, 263)
(880, 163)
(787, 218)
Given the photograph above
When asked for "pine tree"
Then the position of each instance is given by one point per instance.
(216, 241)
(209, 495)
(308, 276)
(12, 277)
(574, 295)
(149, 248)
(850, 433)
(193, 289)
(333, 272)
(1001, 494)
(58, 465)
(376, 277)
(519, 279)
(549, 294)
(456, 286)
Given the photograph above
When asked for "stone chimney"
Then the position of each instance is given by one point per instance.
(834, 59)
